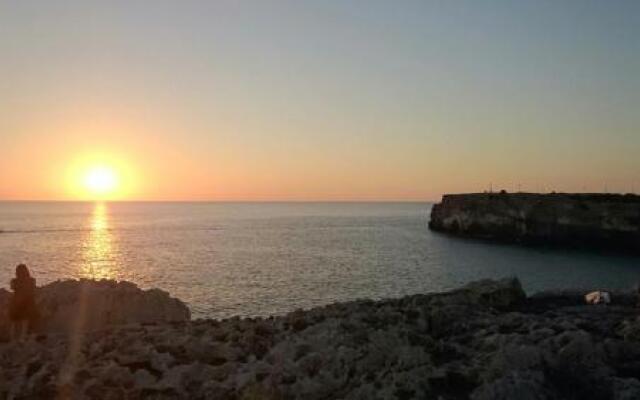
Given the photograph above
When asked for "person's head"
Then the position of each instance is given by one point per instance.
(22, 272)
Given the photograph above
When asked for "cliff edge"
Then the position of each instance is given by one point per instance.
(88, 305)
(609, 221)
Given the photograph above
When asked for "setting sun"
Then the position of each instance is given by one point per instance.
(101, 180)
(105, 175)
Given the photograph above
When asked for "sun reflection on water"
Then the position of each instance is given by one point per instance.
(99, 252)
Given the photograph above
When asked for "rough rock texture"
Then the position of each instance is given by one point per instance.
(601, 220)
(87, 305)
(484, 341)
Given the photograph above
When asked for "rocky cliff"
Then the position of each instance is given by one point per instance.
(87, 305)
(600, 220)
(485, 341)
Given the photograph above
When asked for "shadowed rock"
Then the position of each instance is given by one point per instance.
(482, 341)
(88, 305)
(609, 221)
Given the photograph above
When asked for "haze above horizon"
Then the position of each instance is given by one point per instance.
(333, 100)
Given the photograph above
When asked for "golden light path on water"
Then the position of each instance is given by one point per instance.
(99, 253)
(99, 261)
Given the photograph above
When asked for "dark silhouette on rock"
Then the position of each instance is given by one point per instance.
(73, 306)
(22, 302)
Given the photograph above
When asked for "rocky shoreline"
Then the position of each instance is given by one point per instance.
(87, 305)
(486, 340)
(581, 220)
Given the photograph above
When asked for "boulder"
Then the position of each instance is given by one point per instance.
(630, 330)
(626, 389)
(500, 294)
(522, 385)
(89, 305)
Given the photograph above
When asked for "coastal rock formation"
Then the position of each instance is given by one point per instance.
(88, 305)
(600, 220)
(484, 341)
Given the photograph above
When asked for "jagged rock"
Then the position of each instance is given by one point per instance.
(500, 294)
(631, 330)
(626, 389)
(483, 341)
(85, 305)
(143, 379)
(512, 358)
(521, 385)
(161, 361)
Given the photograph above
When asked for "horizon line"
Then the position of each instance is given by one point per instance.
(213, 201)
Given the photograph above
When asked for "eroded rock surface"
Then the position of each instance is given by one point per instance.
(88, 305)
(609, 221)
(484, 341)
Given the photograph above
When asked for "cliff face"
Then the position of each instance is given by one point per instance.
(601, 220)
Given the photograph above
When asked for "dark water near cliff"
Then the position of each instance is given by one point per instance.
(261, 258)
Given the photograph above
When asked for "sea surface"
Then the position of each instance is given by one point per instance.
(248, 259)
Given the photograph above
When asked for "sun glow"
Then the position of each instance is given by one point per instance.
(101, 177)
(101, 180)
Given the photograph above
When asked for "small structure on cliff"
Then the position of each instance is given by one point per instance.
(596, 220)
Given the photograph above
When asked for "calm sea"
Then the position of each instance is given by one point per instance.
(228, 259)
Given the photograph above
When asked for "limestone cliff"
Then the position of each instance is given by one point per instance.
(600, 220)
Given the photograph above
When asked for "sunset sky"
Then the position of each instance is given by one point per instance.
(317, 100)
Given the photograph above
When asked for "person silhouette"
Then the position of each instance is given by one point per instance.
(22, 305)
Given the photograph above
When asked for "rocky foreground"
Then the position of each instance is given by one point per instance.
(484, 341)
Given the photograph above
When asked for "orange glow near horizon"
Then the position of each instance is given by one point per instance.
(100, 177)
(406, 104)
(111, 161)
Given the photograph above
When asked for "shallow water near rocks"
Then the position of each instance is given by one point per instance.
(227, 259)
